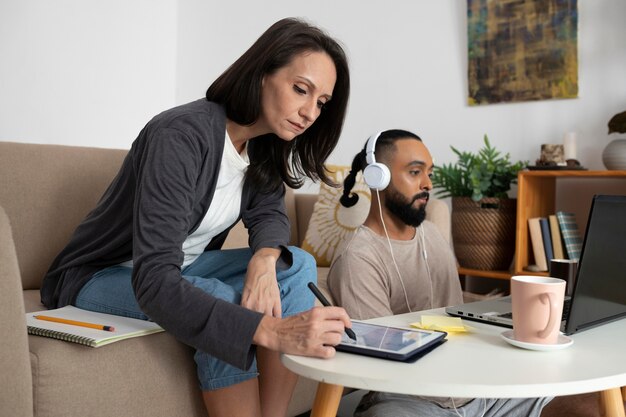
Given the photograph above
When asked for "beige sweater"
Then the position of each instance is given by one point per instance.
(363, 278)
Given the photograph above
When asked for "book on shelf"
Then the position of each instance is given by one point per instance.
(572, 238)
(555, 234)
(536, 240)
(547, 239)
(121, 328)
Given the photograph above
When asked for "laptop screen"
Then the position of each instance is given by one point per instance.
(600, 290)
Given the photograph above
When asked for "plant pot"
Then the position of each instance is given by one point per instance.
(614, 155)
(483, 232)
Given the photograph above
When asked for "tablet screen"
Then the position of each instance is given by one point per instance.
(391, 340)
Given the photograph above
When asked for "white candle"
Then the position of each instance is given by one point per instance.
(569, 145)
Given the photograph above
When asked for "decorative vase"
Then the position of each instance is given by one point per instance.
(483, 232)
(614, 155)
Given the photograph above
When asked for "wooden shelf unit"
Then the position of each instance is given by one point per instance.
(484, 274)
(536, 192)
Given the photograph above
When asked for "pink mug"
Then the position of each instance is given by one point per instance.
(537, 308)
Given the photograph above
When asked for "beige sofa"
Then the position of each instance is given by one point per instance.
(45, 191)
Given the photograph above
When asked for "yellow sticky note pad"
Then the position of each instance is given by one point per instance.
(441, 323)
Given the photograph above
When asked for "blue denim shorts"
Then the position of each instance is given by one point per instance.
(219, 273)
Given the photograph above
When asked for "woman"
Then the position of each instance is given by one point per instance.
(149, 248)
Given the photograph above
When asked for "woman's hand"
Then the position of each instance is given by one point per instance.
(260, 291)
(311, 333)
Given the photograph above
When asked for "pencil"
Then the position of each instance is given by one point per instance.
(76, 323)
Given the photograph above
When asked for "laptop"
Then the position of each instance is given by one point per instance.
(599, 294)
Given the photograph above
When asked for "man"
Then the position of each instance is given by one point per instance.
(397, 262)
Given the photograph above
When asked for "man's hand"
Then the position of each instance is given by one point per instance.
(311, 333)
(260, 290)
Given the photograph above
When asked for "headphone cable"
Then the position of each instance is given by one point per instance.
(395, 264)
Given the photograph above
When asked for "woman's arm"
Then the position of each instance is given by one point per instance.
(173, 175)
(264, 214)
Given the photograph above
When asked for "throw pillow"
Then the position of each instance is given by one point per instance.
(330, 221)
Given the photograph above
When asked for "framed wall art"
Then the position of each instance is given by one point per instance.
(522, 50)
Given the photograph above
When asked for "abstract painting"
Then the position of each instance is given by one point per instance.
(522, 50)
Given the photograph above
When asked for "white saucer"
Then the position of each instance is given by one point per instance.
(561, 343)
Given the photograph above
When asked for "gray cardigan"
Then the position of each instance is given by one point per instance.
(159, 197)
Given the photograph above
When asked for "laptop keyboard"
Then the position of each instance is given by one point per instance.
(567, 305)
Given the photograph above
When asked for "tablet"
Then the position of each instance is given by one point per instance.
(390, 342)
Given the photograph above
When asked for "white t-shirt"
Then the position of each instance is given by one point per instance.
(226, 203)
(225, 206)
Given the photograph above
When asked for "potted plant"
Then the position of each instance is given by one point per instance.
(483, 217)
(614, 155)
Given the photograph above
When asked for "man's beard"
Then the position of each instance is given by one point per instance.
(402, 207)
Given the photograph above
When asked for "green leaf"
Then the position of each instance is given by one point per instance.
(486, 173)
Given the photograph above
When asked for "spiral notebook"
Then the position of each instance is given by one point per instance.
(123, 327)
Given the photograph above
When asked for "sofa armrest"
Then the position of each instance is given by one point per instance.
(16, 398)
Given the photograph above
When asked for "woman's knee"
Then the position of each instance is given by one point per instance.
(215, 374)
(295, 294)
(303, 262)
(302, 271)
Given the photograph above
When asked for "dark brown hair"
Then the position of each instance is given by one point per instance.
(273, 160)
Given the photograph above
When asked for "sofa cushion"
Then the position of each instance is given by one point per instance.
(330, 221)
(46, 191)
(58, 371)
(75, 380)
(151, 375)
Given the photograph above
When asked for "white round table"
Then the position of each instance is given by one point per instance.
(479, 364)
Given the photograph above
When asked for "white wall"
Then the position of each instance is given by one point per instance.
(93, 73)
(85, 72)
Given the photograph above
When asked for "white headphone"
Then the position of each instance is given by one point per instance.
(375, 174)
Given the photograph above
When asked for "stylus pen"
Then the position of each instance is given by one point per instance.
(318, 294)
